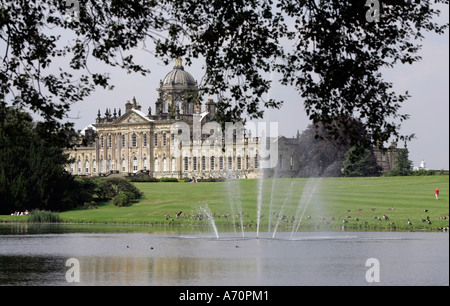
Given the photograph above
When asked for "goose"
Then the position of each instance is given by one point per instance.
(409, 222)
(385, 217)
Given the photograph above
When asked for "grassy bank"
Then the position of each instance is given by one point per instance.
(380, 203)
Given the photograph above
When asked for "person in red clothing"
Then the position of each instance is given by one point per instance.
(436, 193)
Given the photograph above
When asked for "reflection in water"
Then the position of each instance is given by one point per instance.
(33, 255)
(152, 271)
(31, 270)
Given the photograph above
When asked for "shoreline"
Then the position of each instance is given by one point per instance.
(225, 228)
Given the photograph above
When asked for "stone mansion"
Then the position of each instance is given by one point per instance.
(134, 143)
(181, 139)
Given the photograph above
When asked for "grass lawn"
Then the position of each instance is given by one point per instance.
(321, 204)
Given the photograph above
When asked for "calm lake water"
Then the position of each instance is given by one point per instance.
(37, 255)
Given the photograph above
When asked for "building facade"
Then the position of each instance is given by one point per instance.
(180, 139)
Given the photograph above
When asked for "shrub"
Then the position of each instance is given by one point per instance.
(109, 188)
(123, 199)
(43, 216)
(84, 196)
(168, 179)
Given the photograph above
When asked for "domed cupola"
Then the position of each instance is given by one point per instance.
(178, 77)
(176, 92)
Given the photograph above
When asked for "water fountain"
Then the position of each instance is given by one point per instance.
(309, 190)
(205, 210)
(234, 197)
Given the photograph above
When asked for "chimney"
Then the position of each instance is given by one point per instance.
(128, 106)
(211, 108)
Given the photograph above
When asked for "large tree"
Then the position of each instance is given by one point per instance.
(31, 166)
(329, 50)
(318, 153)
(360, 162)
(402, 166)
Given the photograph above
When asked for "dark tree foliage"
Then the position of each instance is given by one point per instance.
(327, 50)
(361, 162)
(319, 156)
(403, 166)
(32, 172)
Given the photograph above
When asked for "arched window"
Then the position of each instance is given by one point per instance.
(186, 164)
(145, 163)
(239, 163)
(101, 142)
(145, 140)
(156, 165)
(94, 166)
(203, 163)
(211, 163)
(173, 164)
(102, 165)
(123, 140)
(221, 163)
(123, 165)
(109, 141)
(164, 139)
(230, 163)
(109, 164)
(135, 166)
(164, 164)
(86, 166)
(134, 140)
(256, 161)
(79, 166)
(156, 140)
(194, 164)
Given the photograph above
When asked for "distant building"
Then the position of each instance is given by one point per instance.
(422, 166)
(386, 159)
(136, 143)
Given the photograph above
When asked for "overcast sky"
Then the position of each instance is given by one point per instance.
(427, 82)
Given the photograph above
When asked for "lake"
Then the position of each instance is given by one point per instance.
(115, 255)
